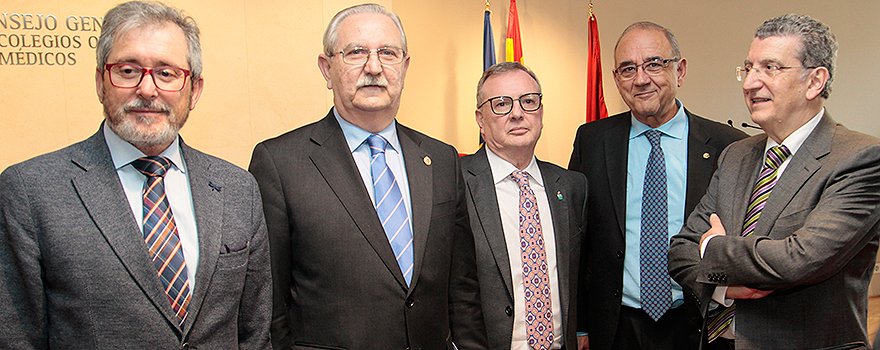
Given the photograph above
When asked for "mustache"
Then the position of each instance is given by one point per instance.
(372, 80)
(141, 104)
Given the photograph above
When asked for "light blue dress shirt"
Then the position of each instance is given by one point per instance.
(360, 151)
(674, 144)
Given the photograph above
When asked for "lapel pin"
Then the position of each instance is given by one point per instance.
(427, 160)
(559, 195)
(214, 187)
(706, 155)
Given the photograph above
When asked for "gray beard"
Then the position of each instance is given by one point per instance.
(128, 130)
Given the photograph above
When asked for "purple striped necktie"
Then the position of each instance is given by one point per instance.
(776, 155)
(160, 234)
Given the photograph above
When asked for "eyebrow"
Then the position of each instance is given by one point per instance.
(764, 62)
(649, 59)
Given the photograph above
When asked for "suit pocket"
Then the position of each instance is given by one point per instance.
(300, 345)
(234, 259)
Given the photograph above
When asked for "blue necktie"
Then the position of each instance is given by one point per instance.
(160, 234)
(656, 292)
(390, 207)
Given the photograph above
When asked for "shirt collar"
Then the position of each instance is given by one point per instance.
(794, 141)
(124, 153)
(355, 136)
(675, 128)
(501, 169)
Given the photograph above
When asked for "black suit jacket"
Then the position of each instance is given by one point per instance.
(338, 284)
(493, 264)
(600, 152)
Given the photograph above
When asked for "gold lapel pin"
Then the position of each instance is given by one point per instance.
(706, 155)
(427, 160)
(559, 195)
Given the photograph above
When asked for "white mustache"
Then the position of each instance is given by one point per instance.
(372, 80)
(139, 103)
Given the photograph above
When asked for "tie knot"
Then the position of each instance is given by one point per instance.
(152, 166)
(377, 144)
(653, 137)
(776, 155)
(521, 177)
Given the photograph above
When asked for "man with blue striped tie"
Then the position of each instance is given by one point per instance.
(371, 247)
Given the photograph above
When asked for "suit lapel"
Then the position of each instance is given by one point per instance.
(102, 195)
(615, 163)
(482, 188)
(556, 196)
(700, 162)
(421, 192)
(333, 160)
(208, 207)
(803, 165)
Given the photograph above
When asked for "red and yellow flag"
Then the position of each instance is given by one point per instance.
(595, 96)
(514, 41)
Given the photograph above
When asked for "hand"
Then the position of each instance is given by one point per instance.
(743, 292)
(583, 342)
(717, 229)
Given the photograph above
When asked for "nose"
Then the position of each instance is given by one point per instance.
(641, 77)
(147, 87)
(751, 81)
(373, 66)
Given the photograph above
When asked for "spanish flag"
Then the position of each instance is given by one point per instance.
(514, 41)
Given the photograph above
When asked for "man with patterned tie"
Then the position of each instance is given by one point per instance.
(647, 168)
(132, 239)
(371, 247)
(781, 248)
(527, 218)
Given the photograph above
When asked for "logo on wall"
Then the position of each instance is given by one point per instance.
(28, 39)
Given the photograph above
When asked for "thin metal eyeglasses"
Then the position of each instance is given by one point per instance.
(769, 71)
(360, 55)
(129, 76)
(501, 105)
(651, 67)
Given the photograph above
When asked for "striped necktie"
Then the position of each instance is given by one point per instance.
(654, 285)
(160, 234)
(776, 155)
(536, 277)
(390, 207)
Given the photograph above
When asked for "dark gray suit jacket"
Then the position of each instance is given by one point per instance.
(493, 264)
(338, 285)
(814, 245)
(600, 152)
(76, 273)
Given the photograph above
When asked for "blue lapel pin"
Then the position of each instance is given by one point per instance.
(214, 187)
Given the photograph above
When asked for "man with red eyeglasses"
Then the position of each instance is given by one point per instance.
(130, 238)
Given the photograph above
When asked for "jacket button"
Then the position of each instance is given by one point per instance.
(508, 310)
(616, 294)
(410, 303)
(620, 254)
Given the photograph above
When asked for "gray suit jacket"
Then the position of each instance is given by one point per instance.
(493, 264)
(814, 245)
(338, 285)
(600, 152)
(76, 273)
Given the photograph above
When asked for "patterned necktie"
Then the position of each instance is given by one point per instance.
(719, 323)
(390, 207)
(160, 234)
(536, 276)
(656, 291)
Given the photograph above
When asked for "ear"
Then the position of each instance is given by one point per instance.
(99, 84)
(197, 86)
(817, 80)
(478, 115)
(403, 70)
(682, 70)
(324, 66)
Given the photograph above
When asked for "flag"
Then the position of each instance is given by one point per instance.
(514, 41)
(595, 96)
(488, 41)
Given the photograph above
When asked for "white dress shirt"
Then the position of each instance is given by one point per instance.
(177, 190)
(507, 192)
